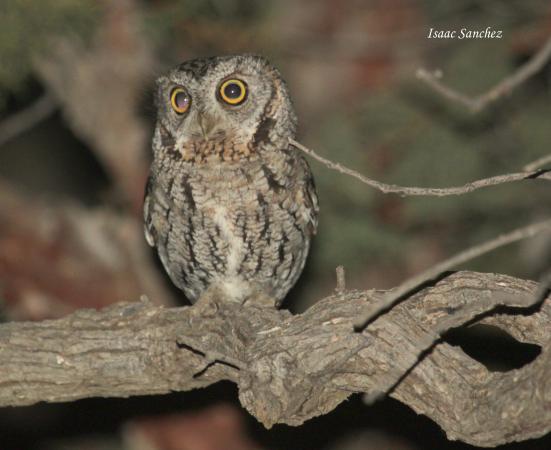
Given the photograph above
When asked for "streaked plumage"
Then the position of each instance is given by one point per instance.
(229, 203)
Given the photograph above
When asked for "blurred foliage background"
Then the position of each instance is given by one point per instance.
(75, 123)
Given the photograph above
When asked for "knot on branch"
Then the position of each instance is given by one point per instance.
(291, 366)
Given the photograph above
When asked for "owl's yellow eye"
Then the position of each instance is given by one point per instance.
(233, 91)
(180, 100)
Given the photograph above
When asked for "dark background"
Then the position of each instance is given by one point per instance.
(75, 122)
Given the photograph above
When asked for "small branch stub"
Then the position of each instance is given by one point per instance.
(341, 280)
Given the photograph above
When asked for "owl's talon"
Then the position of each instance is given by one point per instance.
(208, 302)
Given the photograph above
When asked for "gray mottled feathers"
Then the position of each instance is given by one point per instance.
(235, 208)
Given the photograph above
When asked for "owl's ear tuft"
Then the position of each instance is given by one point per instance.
(157, 88)
(161, 81)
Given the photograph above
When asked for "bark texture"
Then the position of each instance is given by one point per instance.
(290, 368)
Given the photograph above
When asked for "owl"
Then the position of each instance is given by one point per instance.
(229, 203)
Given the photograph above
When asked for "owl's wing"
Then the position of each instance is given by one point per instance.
(149, 230)
(155, 210)
(309, 196)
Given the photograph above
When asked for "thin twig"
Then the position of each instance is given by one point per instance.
(506, 86)
(538, 163)
(26, 119)
(466, 255)
(418, 191)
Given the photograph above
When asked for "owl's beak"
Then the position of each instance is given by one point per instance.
(206, 124)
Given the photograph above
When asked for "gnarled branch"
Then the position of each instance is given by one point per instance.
(290, 368)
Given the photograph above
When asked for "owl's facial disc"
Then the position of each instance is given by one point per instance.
(221, 104)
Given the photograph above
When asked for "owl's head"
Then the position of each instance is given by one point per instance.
(231, 107)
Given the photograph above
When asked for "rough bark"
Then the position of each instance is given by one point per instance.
(290, 368)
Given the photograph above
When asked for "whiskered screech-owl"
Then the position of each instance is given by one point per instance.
(229, 204)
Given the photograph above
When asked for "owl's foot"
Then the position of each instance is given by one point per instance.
(258, 297)
(251, 296)
(213, 295)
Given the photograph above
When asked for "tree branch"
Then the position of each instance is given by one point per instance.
(110, 72)
(451, 263)
(427, 192)
(506, 86)
(26, 119)
(544, 160)
(291, 368)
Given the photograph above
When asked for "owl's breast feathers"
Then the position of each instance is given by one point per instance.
(239, 224)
